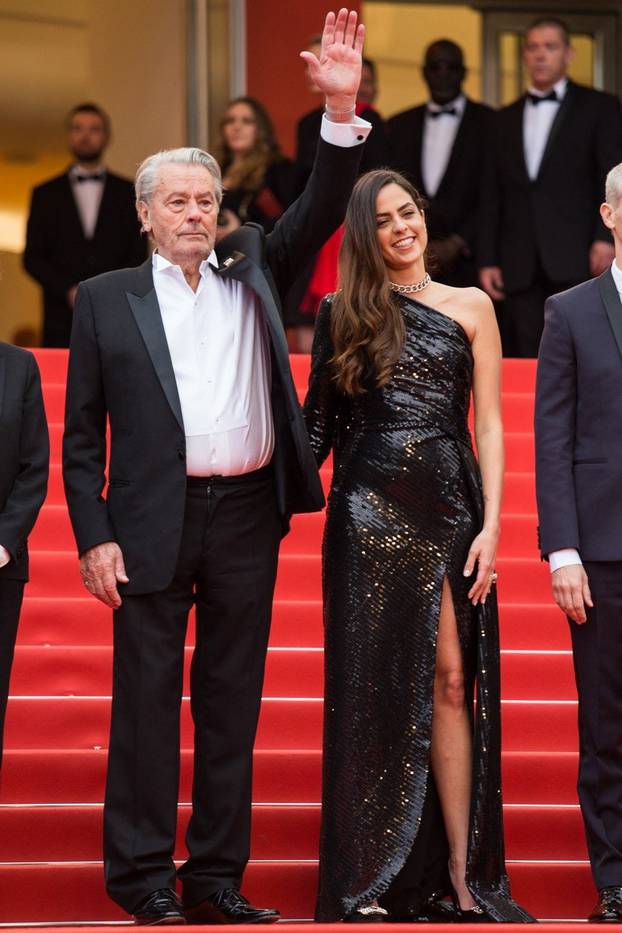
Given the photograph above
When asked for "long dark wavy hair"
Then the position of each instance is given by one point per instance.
(367, 327)
(252, 169)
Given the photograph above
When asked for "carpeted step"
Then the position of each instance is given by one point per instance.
(279, 831)
(75, 891)
(83, 722)
(58, 775)
(87, 671)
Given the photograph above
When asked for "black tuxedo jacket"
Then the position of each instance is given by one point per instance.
(24, 455)
(58, 255)
(578, 422)
(375, 149)
(551, 221)
(454, 207)
(120, 368)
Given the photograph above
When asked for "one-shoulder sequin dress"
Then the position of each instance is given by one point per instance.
(403, 509)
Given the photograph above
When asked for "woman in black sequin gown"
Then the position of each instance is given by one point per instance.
(412, 783)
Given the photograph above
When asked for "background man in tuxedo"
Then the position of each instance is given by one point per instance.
(81, 223)
(579, 484)
(441, 146)
(24, 458)
(209, 456)
(540, 229)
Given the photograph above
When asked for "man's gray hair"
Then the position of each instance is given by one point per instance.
(148, 172)
(613, 187)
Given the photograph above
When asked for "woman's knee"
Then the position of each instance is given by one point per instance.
(449, 688)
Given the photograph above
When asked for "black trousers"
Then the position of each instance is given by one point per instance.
(597, 651)
(11, 595)
(227, 567)
(521, 316)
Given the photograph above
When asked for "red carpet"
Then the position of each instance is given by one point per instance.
(52, 781)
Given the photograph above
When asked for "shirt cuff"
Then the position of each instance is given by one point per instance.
(345, 134)
(5, 557)
(564, 558)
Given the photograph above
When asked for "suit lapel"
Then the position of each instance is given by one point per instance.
(146, 311)
(560, 116)
(417, 145)
(457, 148)
(516, 142)
(104, 206)
(613, 306)
(238, 266)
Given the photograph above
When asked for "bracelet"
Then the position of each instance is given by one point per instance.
(340, 113)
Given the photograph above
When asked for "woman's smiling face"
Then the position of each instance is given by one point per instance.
(402, 233)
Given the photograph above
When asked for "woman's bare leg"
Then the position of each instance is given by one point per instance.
(451, 753)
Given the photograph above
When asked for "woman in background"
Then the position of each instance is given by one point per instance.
(412, 774)
(258, 181)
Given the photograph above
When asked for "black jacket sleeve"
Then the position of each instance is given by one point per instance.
(489, 214)
(555, 414)
(19, 514)
(84, 440)
(36, 258)
(315, 215)
(322, 402)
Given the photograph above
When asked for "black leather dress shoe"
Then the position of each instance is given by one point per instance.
(161, 907)
(229, 906)
(609, 906)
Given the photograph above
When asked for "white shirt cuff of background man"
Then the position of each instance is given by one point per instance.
(5, 557)
(345, 134)
(564, 558)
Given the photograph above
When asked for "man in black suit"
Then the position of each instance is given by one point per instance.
(579, 482)
(81, 223)
(24, 457)
(441, 146)
(540, 229)
(209, 456)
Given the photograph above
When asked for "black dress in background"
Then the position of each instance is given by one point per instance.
(404, 507)
(267, 203)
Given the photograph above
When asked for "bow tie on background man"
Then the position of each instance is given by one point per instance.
(444, 111)
(94, 176)
(538, 98)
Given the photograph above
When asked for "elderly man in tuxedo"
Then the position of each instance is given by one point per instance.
(24, 458)
(579, 483)
(81, 223)
(187, 358)
(539, 228)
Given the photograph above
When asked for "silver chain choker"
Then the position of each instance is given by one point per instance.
(409, 289)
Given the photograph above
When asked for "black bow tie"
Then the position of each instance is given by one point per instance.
(450, 111)
(95, 176)
(537, 98)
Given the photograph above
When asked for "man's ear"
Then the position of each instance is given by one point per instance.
(608, 215)
(143, 213)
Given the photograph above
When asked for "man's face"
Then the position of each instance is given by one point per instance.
(87, 137)
(444, 73)
(367, 88)
(546, 56)
(182, 213)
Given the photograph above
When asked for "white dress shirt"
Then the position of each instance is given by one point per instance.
(439, 136)
(88, 197)
(537, 123)
(568, 556)
(220, 350)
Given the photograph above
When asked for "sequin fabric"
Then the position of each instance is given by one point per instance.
(404, 506)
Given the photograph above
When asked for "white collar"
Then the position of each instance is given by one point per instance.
(617, 276)
(160, 263)
(560, 87)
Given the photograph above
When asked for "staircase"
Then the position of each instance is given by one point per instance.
(57, 723)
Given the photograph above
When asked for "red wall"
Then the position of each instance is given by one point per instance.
(277, 31)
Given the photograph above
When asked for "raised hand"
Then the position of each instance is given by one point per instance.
(338, 70)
